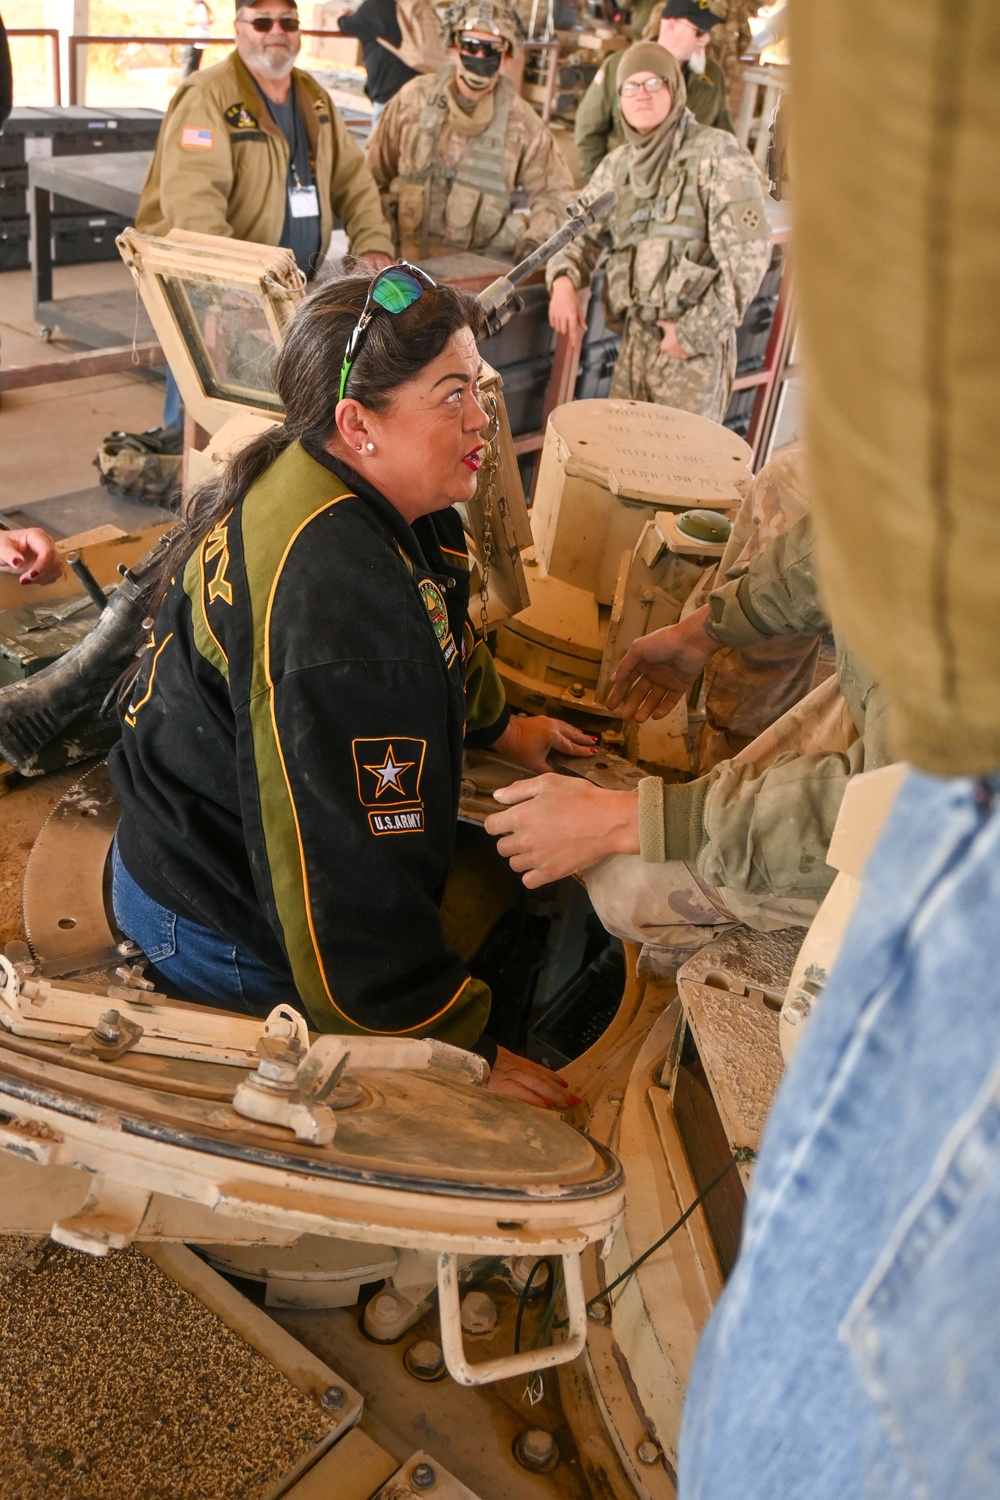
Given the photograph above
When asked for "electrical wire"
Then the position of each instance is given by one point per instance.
(522, 1300)
(742, 1155)
(547, 1324)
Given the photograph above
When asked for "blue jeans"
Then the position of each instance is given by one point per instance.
(197, 961)
(855, 1352)
(173, 410)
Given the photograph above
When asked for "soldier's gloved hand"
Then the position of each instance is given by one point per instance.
(530, 739)
(30, 553)
(524, 248)
(564, 310)
(657, 669)
(670, 344)
(520, 1078)
(554, 826)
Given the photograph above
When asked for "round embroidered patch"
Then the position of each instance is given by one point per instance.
(434, 602)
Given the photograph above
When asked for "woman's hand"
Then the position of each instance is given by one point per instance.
(520, 1078)
(564, 310)
(31, 553)
(670, 345)
(530, 739)
(657, 670)
(556, 825)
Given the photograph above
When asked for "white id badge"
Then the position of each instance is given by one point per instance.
(303, 203)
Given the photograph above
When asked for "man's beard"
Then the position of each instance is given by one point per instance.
(275, 65)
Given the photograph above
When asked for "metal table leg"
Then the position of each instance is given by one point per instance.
(41, 248)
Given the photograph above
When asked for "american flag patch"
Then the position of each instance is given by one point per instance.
(192, 137)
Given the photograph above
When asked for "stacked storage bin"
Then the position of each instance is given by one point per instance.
(78, 233)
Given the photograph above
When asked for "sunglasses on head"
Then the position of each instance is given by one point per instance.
(651, 85)
(268, 23)
(477, 46)
(394, 290)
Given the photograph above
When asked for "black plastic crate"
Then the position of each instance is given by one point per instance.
(14, 245)
(526, 336)
(740, 412)
(597, 323)
(24, 123)
(524, 388)
(754, 333)
(79, 238)
(13, 193)
(597, 363)
(77, 130)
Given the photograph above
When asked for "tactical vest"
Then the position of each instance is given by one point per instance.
(465, 206)
(661, 263)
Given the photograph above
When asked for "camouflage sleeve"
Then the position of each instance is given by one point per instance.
(355, 196)
(777, 594)
(739, 236)
(761, 830)
(594, 120)
(578, 259)
(545, 179)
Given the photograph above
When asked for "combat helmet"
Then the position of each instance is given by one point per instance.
(501, 19)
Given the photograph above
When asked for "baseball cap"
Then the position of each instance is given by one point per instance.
(701, 13)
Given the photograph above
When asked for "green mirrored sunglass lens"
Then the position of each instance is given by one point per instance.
(396, 291)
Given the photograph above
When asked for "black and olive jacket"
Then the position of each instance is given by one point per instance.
(291, 758)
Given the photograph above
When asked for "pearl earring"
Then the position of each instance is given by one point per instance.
(371, 447)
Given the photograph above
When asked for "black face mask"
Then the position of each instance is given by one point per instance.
(482, 67)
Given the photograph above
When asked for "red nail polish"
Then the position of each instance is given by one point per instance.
(573, 1099)
(16, 562)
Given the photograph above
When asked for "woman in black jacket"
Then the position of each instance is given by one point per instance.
(291, 759)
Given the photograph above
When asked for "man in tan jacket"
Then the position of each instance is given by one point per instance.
(254, 149)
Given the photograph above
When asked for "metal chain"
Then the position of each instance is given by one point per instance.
(491, 465)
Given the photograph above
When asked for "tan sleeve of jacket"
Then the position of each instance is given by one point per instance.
(595, 117)
(355, 196)
(195, 165)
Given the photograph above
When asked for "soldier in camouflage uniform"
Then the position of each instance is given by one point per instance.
(461, 161)
(683, 28)
(677, 863)
(748, 687)
(688, 244)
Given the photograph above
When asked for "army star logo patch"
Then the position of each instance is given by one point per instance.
(388, 775)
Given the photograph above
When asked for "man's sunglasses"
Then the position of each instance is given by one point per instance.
(394, 290)
(267, 23)
(477, 46)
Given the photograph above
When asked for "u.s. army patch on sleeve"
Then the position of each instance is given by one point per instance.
(388, 773)
(238, 117)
